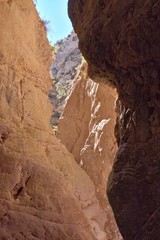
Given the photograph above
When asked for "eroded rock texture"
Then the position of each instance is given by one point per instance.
(121, 42)
(44, 194)
(86, 128)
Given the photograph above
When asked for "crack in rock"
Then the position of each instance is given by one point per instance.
(19, 187)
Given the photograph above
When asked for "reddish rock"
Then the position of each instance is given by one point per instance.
(44, 194)
(121, 42)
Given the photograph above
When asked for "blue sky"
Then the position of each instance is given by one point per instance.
(55, 11)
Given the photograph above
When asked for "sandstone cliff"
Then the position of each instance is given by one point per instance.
(121, 42)
(86, 129)
(44, 194)
(87, 119)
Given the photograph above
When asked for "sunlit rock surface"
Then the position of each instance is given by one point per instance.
(44, 194)
(87, 119)
(86, 128)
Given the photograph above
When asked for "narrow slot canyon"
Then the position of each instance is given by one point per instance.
(79, 122)
(83, 120)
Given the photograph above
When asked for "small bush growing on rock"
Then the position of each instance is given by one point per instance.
(46, 24)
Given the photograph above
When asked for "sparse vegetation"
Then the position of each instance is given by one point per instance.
(63, 71)
(46, 24)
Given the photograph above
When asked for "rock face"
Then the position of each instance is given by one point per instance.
(44, 194)
(86, 128)
(121, 42)
(63, 70)
(87, 119)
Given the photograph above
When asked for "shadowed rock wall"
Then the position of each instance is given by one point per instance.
(121, 42)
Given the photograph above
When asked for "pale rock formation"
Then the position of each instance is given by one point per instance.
(86, 128)
(87, 118)
(63, 71)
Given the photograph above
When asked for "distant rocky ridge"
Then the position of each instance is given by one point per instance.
(63, 71)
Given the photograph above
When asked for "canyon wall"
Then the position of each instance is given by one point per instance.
(121, 43)
(87, 118)
(44, 194)
(86, 128)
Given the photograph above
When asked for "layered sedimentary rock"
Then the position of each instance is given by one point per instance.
(44, 194)
(121, 42)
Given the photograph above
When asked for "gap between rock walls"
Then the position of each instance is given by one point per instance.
(85, 109)
(83, 119)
